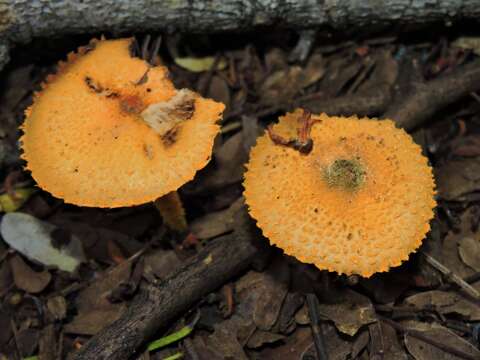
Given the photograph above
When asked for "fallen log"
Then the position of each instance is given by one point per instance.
(21, 21)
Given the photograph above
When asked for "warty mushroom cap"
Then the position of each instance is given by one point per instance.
(110, 130)
(359, 203)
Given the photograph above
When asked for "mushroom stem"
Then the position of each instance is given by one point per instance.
(172, 211)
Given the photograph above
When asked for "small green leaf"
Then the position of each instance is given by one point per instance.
(169, 339)
(175, 356)
(10, 203)
(176, 336)
(199, 64)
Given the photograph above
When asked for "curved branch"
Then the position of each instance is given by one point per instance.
(428, 98)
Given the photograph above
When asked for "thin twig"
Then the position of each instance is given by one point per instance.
(228, 294)
(136, 47)
(145, 44)
(15, 338)
(204, 87)
(475, 96)
(472, 278)
(230, 127)
(155, 49)
(377, 340)
(470, 290)
(60, 346)
(190, 350)
(468, 279)
(304, 46)
(318, 339)
(420, 336)
(403, 309)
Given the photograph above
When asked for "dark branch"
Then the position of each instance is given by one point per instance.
(157, 305)
(426, 99)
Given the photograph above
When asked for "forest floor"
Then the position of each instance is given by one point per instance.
(413, 311)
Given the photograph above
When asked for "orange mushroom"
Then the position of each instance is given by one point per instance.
(110, 130)
(358, 202)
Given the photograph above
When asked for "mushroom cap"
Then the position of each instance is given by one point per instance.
(363, 230)
(85, 139)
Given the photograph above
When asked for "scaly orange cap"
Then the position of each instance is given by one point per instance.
(110, 130)
(360, 202)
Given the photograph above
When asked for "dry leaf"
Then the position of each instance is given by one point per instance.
(421, 350)
(383, 75)
(25, 278)
(280, 86)
(265, 292)
(48, 345)
(350, 311)
(225, 338)
(457, 178)
(467, 146)
(95, 311)
(275, 59)
(301, 316)
(219, 91)
(215, 223)
(384, 344)
(468, 42)
(360, 343)
(228, 159)
(208, 351)
(286, 321)
(199, 64)
(261, 337)
(27, 341)
(445, 303)
(295, 346)
(449, 255)
(5, 325)
(387, 287)
(314, 70)
(5, 277)
(469, 251)
(57, 307)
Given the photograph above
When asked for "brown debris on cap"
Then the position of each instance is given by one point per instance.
(358, 203)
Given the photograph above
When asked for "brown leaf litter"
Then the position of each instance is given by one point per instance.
(261, 313)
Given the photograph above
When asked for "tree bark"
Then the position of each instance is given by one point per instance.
(23, 20)
(156, 305)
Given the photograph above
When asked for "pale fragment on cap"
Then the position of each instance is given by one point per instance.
(164, 116)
